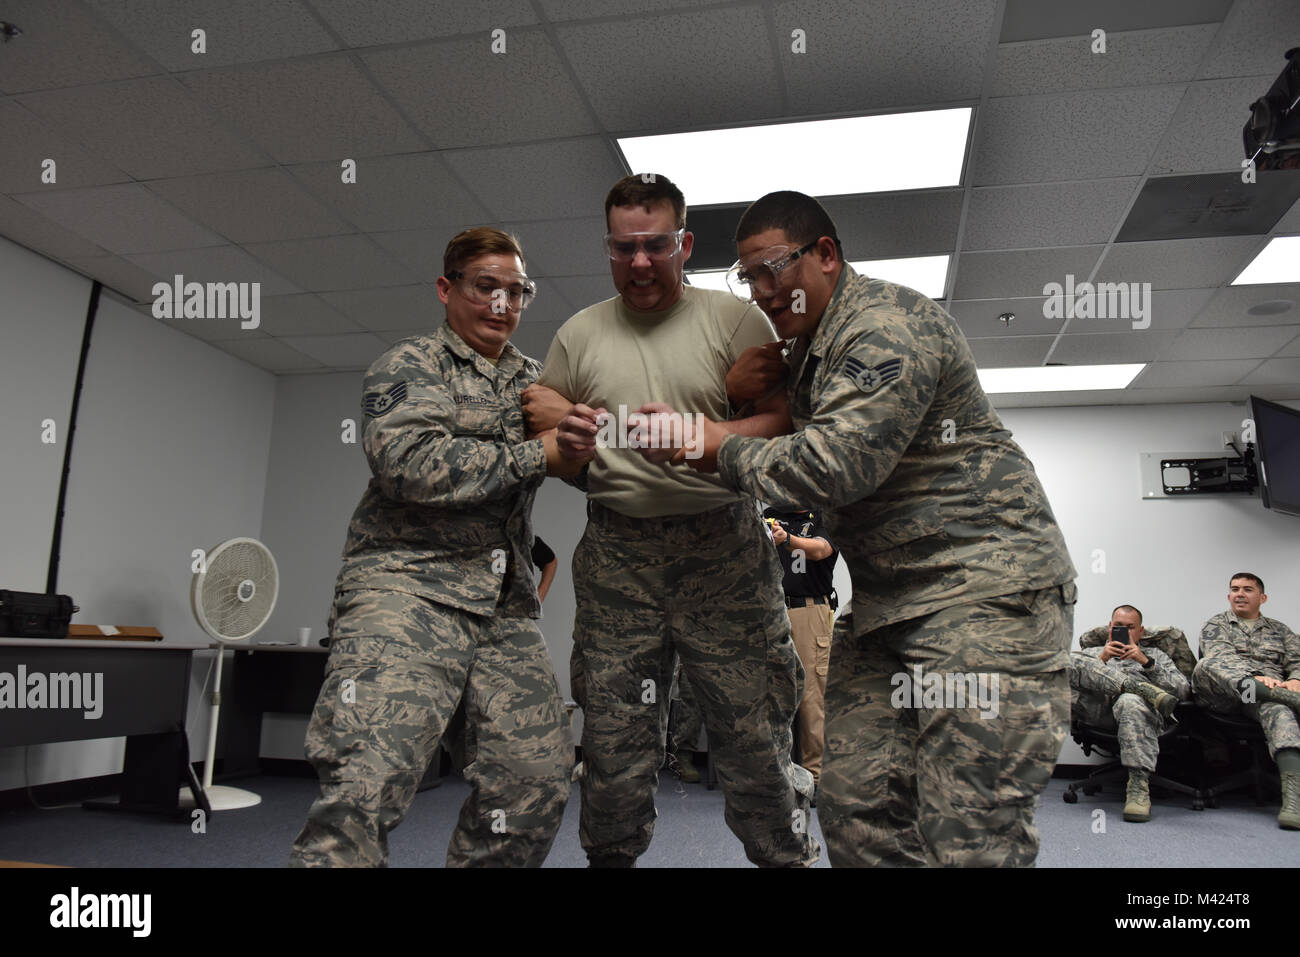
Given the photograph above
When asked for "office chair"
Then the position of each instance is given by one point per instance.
(1091, 737)
(1241, 731)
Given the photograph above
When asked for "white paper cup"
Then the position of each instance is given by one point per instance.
(304, 636)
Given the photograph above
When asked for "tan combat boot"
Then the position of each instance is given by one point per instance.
(1137, 802)
(1289, 817)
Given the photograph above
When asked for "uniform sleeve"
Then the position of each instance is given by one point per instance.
(542, 554)
(874, 396)
(1166, 675)
(424, 449)
(1181, 654)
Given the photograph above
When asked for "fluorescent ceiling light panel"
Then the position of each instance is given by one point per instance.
(1059, 378)
(860, 154)
(925, 274)
(1279, 261)
(709, 279)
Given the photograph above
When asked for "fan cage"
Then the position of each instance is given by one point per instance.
(215, 593)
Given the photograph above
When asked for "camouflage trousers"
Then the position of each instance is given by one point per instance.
(1098, 698)
(685, 722)
(912, 777)
(1217, 687)
(707, 587)
(399, 665)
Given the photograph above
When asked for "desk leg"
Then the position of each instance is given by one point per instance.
(155, 766)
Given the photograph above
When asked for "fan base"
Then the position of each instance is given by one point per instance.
(223, 798)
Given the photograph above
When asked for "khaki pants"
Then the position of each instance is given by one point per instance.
(810, 627)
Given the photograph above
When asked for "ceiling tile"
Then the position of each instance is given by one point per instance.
(460, 93)
(29, 228)
(364, 23)
(1138, 58)
(1132, 345)
(1092, 134)
(1230, 306)
(889, 225)
(29, 142)
(125, 277)
(583, 291)
(211, 330)
(63, 45)
(396, 192)
(150, 128)
(1173, 375)
(214, 264)
(905, 54)
(676, 71)
(307, 110)
(978, 318)
(122, 219)
(270, 354)
(1205, 134)
(1036, 19)
(395, 307)
(258, 205)
(332, 262)
(588, 9)
(1254, 40)
(1012, 352)
(1293, 349)
(541, 181)
(1276, 372)
(1290, 222)
(1053, 214)
(236, 31)
(303, 315)
(1178, 263)
(1252, 342)
(419, 250)
(341, 352)
(562, 247)
(1020, 273)
(1202, 205)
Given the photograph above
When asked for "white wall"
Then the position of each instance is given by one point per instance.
(170, 455)
(42, 313)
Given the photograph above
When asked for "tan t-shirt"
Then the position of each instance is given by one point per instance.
(608, 355)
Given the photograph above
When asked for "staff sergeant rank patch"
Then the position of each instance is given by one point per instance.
(869, 379)
(376, 404)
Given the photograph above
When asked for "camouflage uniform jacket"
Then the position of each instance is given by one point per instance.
(931, 503)
(1271, 649)
(1171, 641)
(448, 512)
(1163, 672)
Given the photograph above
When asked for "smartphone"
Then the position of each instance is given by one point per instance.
(1119, 633)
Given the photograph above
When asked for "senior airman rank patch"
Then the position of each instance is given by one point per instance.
(869, 379)
(377, 403)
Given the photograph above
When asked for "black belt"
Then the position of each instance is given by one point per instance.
(801, 601)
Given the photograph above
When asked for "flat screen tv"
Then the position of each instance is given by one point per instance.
(1277, 445)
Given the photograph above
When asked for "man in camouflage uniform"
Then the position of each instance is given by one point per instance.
(958, 567)
(1251, 664)
(435, 603)
(1133, 687)
(1170, 640)
(671, 561)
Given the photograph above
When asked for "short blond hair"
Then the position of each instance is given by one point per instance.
(468, 244)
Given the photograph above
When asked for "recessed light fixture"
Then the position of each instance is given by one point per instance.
(1279, 261)
(709, 279)
(860, 154)
(925, 274)
(1059, 378)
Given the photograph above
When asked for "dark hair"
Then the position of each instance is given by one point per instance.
(645, 190)
(1127, 608)
(469, 244)
(1252, 576)
(801, 217)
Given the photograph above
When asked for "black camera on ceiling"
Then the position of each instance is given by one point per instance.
(1272, 134)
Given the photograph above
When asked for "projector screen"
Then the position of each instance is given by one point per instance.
(42, 314)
